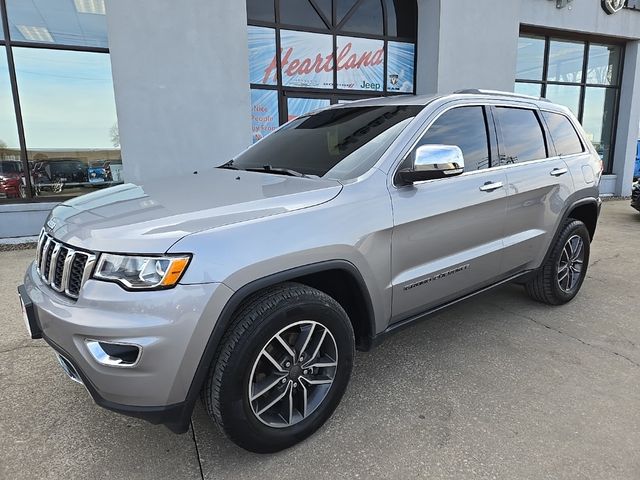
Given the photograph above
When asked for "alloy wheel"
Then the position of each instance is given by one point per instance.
(293, 374)
(571, 263)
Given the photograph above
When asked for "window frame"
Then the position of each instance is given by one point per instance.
(335, 30)
(433, 117)
(495, 137)
(7, 43)
(549, 36)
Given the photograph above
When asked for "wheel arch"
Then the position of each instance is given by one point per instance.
(335, 277)
(584, 209)
(587, 213)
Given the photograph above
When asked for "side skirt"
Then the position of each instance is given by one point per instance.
(402, 324)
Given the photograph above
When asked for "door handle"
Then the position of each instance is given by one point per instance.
(556, 172)
(491, 186)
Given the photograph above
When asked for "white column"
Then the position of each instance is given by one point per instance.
(628, 120)
(180, 72)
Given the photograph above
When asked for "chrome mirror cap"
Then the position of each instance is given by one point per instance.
(433, 161)
(447, 159)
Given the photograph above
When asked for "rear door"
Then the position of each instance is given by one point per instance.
(447, 237)
(538, 185)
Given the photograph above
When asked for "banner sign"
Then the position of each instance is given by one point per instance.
(400, 67)
(264, 113)
(307, 60)
(299, 106)
(360, 64)
(262, 50)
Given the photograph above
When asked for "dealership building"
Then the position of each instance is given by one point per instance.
(100, 92)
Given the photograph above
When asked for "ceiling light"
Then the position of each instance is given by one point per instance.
(35, 34)
(90, 6)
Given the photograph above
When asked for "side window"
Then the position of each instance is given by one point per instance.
(465, 127)
(563, 134)
(522, 135)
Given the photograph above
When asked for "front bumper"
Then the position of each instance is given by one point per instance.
(172, 327)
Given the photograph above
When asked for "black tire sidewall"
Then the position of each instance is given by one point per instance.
(238, 419)
(576, 227)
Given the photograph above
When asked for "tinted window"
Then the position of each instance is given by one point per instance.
(366, 19)
(340, 143)
(300, 12)
(465, 127)
(523, 139)
(563, 134)
(261, 10)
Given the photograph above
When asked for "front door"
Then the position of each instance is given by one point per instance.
(448, 233)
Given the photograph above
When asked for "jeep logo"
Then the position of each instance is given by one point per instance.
(612, 6)
(370, 86)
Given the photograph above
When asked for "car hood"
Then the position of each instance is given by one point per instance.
(151, 218)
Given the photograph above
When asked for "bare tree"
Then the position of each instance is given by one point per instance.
(114, 133)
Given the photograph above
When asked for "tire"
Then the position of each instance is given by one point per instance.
(295, 312)
(549, 285)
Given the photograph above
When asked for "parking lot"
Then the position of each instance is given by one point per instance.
(495, 387)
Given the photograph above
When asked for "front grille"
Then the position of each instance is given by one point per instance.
(61, 267)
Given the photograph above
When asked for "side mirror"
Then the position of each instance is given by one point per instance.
(433, 161)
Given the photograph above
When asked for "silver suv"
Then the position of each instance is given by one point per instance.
(251, 284)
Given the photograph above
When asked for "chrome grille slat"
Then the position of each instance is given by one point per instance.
(76, 265)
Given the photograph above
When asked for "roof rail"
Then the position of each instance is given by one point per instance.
(477, 91)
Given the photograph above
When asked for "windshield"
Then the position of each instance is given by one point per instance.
(10, 167)
(339, 143)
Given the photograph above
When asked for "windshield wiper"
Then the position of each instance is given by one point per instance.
(276, 171)
(228, 166)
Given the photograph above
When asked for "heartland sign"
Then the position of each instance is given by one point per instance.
(309, 60)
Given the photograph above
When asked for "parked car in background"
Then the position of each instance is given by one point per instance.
(98, 173)
(55, 174)
(251, 285)
(635, 196)
(11, 176)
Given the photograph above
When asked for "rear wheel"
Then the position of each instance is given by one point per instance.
(561, 276)
(282, 368)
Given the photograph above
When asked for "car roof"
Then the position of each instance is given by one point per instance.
(469, 94)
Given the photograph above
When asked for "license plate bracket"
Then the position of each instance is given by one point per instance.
(29, 314)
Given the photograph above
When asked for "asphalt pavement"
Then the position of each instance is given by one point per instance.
(495, 387)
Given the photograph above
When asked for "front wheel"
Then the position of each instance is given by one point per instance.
(282, 368)
(562, 274)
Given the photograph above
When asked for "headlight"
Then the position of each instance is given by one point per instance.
(140, 272)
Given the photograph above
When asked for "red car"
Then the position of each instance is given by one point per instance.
(10, 179)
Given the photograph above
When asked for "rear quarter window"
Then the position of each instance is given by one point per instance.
(564, 135)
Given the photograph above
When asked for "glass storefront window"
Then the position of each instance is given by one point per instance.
(69, 118)
(12, 183)
(300, 106)
(531, 89)
(530, 58)
(567, 95)
(333, 50)
(598, 117)
(603, 64)
(583, 76)
(64, 22)
(300, 12)
(565, 61)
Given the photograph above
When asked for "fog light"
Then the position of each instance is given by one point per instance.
(114, 354)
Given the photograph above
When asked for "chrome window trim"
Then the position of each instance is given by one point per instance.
(477, 103)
